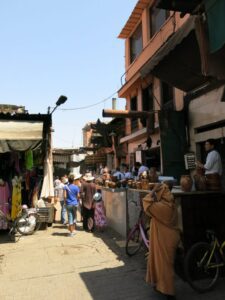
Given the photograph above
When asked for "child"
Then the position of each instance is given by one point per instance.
(99, 214)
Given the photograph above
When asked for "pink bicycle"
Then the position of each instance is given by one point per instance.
(138, 236)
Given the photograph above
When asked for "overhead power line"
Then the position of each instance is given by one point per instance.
(91, 105)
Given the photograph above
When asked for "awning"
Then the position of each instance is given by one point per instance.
(61, 158)
(178, 61)
(94, 159)
(20, 135)
(21, 130)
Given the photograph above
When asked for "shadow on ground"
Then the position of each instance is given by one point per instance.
(128, 281)
(6, 238)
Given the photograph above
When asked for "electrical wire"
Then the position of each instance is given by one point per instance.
(91, 105)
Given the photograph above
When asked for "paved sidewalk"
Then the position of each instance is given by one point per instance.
(50, 265)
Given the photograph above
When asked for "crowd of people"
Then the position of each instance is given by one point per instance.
(77, 192)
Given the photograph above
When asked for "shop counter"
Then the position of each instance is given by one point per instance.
(197, 212)
(201, 211)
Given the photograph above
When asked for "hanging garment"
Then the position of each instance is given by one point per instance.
(29, 160)
(4, 203)
(16, 197)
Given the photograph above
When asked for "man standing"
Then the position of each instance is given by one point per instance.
(213, 163)
(88, 189)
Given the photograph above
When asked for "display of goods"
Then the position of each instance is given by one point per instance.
(186, 183)
(124, 183)
(134, 184)
(144, 184)
(112, 184)
(151, 185)
(213, 182)
(99, 181)
(118, 184)
(138, 185)
(130, 183)
(114, 178)
(200, 182)
(200, 171)
(106, 183)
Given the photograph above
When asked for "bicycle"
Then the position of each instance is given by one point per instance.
(203, 262)
(26, 222)
(137, 236)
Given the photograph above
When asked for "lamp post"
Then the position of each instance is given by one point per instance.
(62, 99)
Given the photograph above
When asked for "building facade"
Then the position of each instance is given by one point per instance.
(174, 54)
(146, 31)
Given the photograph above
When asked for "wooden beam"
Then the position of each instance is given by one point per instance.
(126, 113)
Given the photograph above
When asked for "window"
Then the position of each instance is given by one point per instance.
(147, 102)
(136, 43)
(133, 103)
(147, 99)
(167, 93)
(134, 121)
(157, 18)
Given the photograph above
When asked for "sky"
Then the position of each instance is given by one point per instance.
(63, 47)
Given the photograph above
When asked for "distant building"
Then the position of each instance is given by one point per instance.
(87, 134)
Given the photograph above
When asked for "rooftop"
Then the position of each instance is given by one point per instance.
(134, 18)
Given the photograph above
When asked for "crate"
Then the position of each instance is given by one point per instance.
(51, 212)
(43, 213)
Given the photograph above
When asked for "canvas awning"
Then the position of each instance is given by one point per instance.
(21, 130)
(61, 158)
(20, 135)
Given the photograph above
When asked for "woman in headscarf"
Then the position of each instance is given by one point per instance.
(164, 238)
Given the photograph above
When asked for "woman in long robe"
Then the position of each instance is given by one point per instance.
(164, 238)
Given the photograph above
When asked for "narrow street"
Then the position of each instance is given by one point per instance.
(50, 265)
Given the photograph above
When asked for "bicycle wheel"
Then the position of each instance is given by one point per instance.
(201, 267)
(26, 224)
(13, 234)
(38, 222)
(134, 241)
(38, 225)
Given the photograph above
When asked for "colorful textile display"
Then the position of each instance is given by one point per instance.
(16, 196)
(29, 160)
(4, 203)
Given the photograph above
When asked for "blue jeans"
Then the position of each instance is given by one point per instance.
(63, 212)
(72, 214)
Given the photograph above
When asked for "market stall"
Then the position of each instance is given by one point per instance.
(25, 161)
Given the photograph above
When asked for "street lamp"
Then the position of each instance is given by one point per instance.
(62, 99)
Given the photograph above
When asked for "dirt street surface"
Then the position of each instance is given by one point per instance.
(50, 265)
